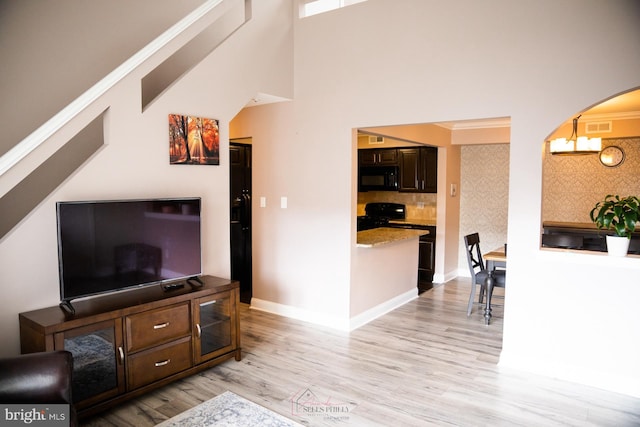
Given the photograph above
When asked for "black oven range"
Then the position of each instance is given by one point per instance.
(379, 214)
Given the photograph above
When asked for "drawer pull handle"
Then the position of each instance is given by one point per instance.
(208, 303)
(199, 330)
(121, 352)
(161, 325)
(163, 363)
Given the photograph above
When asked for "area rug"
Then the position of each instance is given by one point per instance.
(228, 410)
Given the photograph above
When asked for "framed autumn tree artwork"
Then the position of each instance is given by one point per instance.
(193, 140)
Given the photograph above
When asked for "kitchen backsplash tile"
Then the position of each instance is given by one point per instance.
(411, 200)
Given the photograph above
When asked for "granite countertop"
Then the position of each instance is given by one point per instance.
(576, 225)
(384, 235)
(414, 221)
(579, 225)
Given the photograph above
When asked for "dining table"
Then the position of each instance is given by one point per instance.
(495, 258)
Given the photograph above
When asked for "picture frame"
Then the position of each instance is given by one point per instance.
(193, 140)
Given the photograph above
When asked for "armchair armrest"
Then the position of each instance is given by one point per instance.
(36, 378)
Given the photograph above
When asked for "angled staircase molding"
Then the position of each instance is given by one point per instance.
(150, 56)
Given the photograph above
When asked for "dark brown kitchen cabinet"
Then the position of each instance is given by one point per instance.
(418, 169)
(378, 157)
(427, 260)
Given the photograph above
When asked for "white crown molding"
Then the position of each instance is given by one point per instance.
(483, 124)
(506, 122)
(628, 115)
(502, 122)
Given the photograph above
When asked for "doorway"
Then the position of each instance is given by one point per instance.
(240, 227)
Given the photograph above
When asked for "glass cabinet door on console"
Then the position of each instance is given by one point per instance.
(98, 360)
(214, 329)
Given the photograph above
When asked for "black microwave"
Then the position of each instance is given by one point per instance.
(378, 178)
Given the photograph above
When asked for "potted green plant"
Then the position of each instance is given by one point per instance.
(619, 215)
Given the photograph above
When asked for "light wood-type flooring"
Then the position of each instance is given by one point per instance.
(422, 364)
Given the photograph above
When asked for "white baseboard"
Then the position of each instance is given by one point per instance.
(444, 278)
(342, 324)
(381, 309)
(314, 317)
(579, 375)
(463, 272)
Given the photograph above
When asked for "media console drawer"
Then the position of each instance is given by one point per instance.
(157, 326)
(151, 365)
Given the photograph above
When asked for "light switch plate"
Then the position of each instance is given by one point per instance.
(263, 202)
(283, 202)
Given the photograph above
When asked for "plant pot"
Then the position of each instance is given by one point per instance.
(617, 246)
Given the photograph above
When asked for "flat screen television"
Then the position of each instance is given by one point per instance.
(108, 246)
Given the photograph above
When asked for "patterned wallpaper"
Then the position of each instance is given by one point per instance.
(573, 184)
(484, 196)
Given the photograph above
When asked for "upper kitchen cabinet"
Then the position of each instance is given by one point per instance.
(378, 157)
(418, 169)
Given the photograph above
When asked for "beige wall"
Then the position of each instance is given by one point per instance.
(301, 253)
(43, 43)
(448, 219)
(480, 73)
(435, 61)
(493, 135)
(134, 163)
(364, 143)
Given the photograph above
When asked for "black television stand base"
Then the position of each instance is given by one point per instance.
(67, 307)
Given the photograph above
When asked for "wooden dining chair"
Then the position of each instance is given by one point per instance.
(478, 271)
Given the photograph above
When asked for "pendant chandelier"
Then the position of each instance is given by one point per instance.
(575, 145)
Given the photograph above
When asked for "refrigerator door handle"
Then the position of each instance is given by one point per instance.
(245, 214)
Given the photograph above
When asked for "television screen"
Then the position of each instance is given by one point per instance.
(106, 246)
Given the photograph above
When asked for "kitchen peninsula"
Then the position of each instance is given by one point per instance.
(385, 274)
(384, 235)
(387, 222)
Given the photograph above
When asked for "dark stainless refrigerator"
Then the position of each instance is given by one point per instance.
(240, 182)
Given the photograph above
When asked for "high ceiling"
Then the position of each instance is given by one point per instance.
(622, 105)
(625, 103)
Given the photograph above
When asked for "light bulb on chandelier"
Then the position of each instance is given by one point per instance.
(575, 145)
